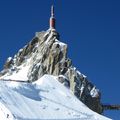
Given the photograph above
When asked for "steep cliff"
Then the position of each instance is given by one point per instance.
(47, 55)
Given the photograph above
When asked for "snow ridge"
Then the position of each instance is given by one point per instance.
(44, 99)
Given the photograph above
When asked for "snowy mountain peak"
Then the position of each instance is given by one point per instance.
(46, 55)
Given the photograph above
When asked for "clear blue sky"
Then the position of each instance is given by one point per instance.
(91, 28)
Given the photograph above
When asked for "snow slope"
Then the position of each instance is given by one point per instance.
(44, 99)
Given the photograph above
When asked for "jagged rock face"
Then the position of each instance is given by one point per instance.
(49, 56)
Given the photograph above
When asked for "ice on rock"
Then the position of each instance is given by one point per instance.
(94, 92)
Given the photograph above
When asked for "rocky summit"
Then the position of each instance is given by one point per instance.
(47, 55)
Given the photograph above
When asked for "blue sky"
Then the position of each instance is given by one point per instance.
(91, 28)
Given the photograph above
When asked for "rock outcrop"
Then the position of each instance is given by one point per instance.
(48, 55)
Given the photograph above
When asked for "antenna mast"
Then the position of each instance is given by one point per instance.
(52, 18)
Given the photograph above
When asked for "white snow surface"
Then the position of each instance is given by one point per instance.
(44, 99)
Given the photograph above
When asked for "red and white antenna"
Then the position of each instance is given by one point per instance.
(52, 18)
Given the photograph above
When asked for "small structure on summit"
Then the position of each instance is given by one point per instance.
(52, 18)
